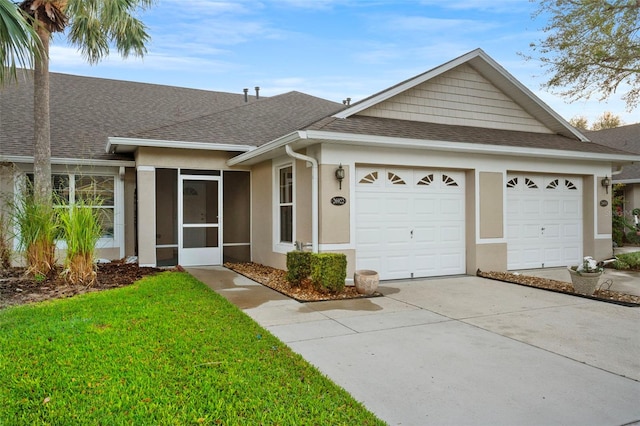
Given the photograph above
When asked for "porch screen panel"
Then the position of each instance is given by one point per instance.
(236, 205)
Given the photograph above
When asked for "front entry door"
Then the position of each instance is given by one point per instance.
(199, 235)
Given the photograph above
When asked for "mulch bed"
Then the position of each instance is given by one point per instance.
(16, 288)
(601, 294)
(276, 279)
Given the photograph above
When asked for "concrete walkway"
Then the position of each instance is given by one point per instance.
(462, 350)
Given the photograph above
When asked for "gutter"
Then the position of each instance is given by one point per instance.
(123, 144)
(314, 193)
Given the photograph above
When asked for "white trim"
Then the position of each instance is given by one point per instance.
(466, 147)
(492, 241)
(432, 145)
(336, 247)
(626, 181)
(265, 148)
(146, 169)
(115, 143)
(278, 246)
(69, 161)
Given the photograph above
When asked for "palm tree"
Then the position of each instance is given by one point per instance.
(92, 26)
(18, 42)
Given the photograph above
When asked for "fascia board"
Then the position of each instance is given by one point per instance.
(466, 147)
(625, 181)
(267, 147)
(113, 143)
(69, 161)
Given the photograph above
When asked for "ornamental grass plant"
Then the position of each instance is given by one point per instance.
(81, 230)
(37, 226)
(164, 351)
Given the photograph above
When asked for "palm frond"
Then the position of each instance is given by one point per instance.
(19, 44)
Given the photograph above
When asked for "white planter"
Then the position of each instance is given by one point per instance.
(366, 281)
(584, 282)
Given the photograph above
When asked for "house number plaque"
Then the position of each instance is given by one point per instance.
(604, 203)
(338, 201)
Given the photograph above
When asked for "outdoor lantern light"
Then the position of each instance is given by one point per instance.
(606, 182)
(340, 175)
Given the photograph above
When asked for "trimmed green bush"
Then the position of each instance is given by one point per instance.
(628, 261)
(329, 271)
(633, 237)
(298, 266)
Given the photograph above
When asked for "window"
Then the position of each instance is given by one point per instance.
(98, 191)
(285, 204)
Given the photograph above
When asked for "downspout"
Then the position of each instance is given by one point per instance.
(314, 193)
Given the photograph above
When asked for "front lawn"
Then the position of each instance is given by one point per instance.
(166, 350)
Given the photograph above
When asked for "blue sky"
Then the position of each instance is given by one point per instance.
(333, 49)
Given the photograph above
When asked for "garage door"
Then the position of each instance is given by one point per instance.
(544, 221)
(410, 222)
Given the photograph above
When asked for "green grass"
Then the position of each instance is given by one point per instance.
(164, 351)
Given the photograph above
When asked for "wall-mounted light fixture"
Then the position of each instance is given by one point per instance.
(340, 175)
(606, 182)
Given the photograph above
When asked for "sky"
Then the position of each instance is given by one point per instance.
(332, 49)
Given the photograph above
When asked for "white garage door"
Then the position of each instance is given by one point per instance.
(410, 223)
(544, 221)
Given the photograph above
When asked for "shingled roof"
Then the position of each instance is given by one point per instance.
(366, 125)
(626, 138)
(85, 111)
(254, 124)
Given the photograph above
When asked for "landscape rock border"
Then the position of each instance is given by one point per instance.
(608, 296)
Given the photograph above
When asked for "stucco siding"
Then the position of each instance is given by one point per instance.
(458, 97)
(262, 214)
(491, 205)
(146, 216)
(490, 257)
(188, 159)
(334, 219)
(302, 200)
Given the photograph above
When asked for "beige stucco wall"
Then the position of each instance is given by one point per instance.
(603, 212)
(303, 177)
(180, 158)
(146, 216)
(631, 199)
(490, 257)
(334, 220)
(491, 197)
(262, 213)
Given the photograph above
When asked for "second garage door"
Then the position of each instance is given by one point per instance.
(544, 221)
(410, 222)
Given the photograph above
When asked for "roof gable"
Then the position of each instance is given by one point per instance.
(472, 90)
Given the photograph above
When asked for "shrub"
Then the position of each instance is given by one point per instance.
(298, 266)
(628, 261)
(329, 271)
(633, 237)
(37, 225)
(81, 230)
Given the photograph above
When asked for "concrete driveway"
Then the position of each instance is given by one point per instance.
(462, 350)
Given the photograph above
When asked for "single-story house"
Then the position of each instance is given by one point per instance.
(626, 138)
(458, 168)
